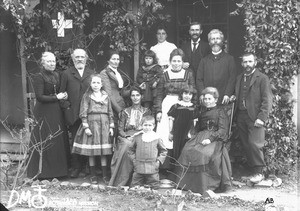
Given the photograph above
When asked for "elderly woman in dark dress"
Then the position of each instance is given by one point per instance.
(129, 125)
(204, 157)
(48, 113)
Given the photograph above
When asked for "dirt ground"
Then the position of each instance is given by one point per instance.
(74, 196)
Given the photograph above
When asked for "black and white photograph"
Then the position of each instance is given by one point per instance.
(154, 105)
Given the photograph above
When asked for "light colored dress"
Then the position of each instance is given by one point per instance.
(163, 51)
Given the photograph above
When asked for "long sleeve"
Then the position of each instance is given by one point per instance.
(223, 126)
(108, 89)
(200, 77)
(139, 76)
(162, 151)
(122, 122)
(160, 95)
(63, 88)
(232, 78)
(132, 149)
(266, 102)
(39, 88)
(191, 80)
(110, 114)
(84, 106)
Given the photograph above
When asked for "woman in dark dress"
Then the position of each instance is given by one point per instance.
(204, 157)
(50, 122)
(129, 124)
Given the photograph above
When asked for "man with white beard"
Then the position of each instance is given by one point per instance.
(217, 69)
(75, 81)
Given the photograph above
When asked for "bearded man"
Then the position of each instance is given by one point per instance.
(195, 49)
(75, 81)
(217, 69)
(254, 102)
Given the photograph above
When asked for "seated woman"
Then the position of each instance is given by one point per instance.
(204, 157)
(129, 124)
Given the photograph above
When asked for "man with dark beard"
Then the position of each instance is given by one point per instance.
(75, 82)
(217, 69)
(195, 49)
(254, 102)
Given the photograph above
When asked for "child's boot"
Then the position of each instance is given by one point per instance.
(93, 178)
(105, 174)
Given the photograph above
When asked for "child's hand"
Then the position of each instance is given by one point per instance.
(111, 131)
(88, 132)
(143, 85)
(171, 137)
(154, 84)
(206, 142)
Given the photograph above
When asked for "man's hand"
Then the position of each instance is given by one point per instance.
(158, 116)
(232, 98)
(225, 99)
(258, 123)
(185, 65)
(170, 137)
(206, 142)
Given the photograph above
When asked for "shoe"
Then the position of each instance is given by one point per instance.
(94, 180)
(223, 189)
(75, 173)
(256, 178)
(106, 180)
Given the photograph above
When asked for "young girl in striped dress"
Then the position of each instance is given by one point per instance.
(92, 138)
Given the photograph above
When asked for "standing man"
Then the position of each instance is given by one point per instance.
(254, 102)
(163, 48)
(217, 69)
(75, 82)
(196, 49)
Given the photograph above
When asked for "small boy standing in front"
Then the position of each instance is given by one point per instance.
(147, 153)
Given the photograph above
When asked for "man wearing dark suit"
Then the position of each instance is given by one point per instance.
(254, 102)
(196, 49)
(75, 81)
(217, 69)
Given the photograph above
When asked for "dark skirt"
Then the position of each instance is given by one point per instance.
(203, 167)
(55, 150)
(121, 164)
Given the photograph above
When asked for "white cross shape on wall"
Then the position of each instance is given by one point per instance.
(61, 24)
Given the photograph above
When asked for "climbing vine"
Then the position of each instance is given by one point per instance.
(272, 29)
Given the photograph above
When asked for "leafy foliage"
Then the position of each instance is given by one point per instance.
(115, 28)
(272, 33)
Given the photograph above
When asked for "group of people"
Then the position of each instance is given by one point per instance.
(175, 127)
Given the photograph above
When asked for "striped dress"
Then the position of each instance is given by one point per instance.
(99, 117)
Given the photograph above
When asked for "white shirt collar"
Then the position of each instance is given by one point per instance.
(216, 53)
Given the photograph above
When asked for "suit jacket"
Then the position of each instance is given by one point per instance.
(259, 97)
(111, 86)
(201, 51)
(75, 86)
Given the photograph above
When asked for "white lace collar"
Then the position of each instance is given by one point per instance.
(185, 104)
(148, 137)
